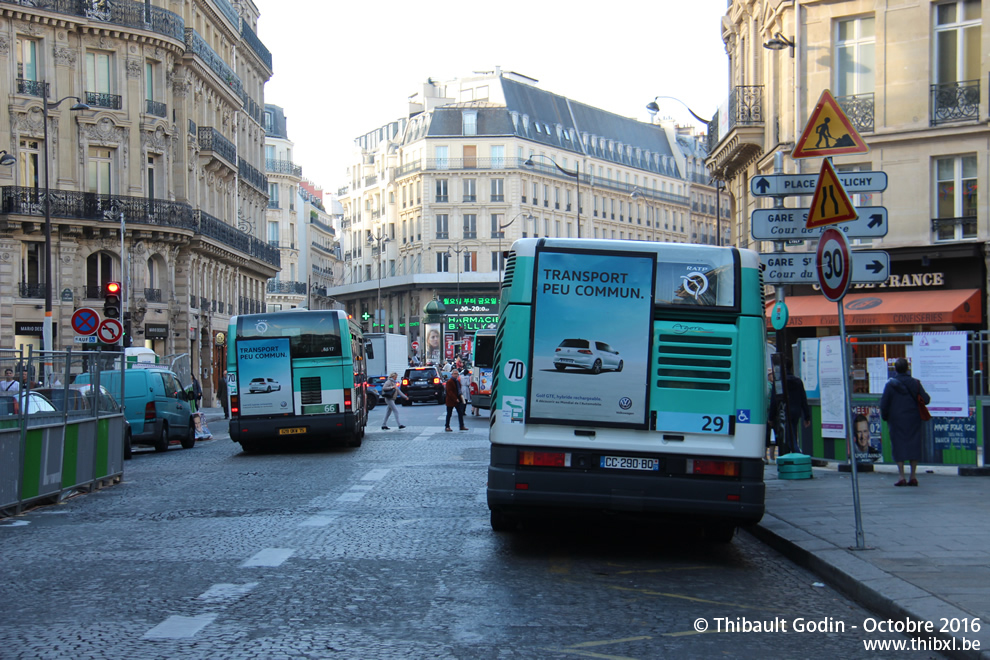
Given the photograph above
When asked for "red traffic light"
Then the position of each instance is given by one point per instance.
(113, 288)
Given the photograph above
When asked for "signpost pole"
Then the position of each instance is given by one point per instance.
(850, 444)
(784, 410)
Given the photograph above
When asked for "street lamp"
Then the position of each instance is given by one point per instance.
(636, 194)
(47, 330)
(653, 108)
(7, 159)
(577, 179)
(524, 216)
(380, 238)
(719, 187)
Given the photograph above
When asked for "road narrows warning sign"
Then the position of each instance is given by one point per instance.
(830, 204)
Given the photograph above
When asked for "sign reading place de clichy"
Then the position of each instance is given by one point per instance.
(784, 185)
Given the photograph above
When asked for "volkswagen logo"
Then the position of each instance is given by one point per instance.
(625, 403)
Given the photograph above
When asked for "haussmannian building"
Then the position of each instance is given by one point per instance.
(435, 198)
(172, 145)
(912, 79)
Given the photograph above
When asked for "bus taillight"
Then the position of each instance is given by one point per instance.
(235, 404)
(545, 458)
(347, 398)
(716, 468)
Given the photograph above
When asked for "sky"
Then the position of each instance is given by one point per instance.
(342, 69)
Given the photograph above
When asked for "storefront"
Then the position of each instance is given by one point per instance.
(156, 337)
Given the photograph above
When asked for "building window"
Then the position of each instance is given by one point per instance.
(498, 260)
(28, 160)
(273, 196)
(273, 233)
(441, 190)
(98, 171)
(470, 190)
(469, 122)
(442, 157)
(27, 66)
(497, 219)
(443, 231)
(854, 53)
(470, 225)
(957, 41)
(98, 67)
(955, 198)
(498, 157)
(498, 190)
(269, 123)
(443, 262)
(536, 194)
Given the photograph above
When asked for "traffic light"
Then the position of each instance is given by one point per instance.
(111, 300)
(126, 339)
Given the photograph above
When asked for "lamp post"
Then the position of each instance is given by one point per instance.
(577, 180)
(372, 239)
(719, 187)
(457, 250)
(47, 330)
(653, 108)
(523, 215)
(636, 194)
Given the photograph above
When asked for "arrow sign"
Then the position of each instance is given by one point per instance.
(789, 224)
(868, 266)
(787, 185)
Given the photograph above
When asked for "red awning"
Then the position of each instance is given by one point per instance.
(951, 307)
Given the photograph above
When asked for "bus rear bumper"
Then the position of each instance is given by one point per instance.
(483, 401)
(267, 430)
(694, 499)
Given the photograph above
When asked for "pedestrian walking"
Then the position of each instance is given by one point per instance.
(465, 395)
(390, 390)
(797, 407)
(899, 407)
(222, 394)
(197, 392)
(452, 390)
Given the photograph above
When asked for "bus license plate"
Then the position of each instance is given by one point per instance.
(630, 463)
(292, 431)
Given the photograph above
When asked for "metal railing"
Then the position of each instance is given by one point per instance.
(282, 167)
(139, 15)
(155, 108)
(198, 46)
(859, 108)
(104, 100)
(227, 10)
(153, 295)
(252, 175)
(955, 101)
(35, 290)
(33, 87)
(210, 139)
(745, 108)
(286, 287)
(255, 43)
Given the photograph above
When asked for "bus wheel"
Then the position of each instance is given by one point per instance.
(502, 522)
(720, 533)
(161, 444)
(596, 368)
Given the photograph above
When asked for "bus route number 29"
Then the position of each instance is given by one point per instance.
(515, 370)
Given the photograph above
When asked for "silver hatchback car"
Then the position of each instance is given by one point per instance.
(594, 356)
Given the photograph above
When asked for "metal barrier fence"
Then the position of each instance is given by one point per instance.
(946, 440)
(57, 437)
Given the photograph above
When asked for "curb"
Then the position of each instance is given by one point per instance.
(873, 588)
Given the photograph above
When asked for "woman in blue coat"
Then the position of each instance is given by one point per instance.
(899, 408)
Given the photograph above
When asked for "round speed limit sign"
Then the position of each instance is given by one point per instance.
(834, 264)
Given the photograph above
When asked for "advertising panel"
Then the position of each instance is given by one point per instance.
(592, 326)
(264, 376)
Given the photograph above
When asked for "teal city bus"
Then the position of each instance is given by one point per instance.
(629, 378)
(297, 374)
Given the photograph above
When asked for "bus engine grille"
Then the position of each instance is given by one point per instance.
(310, 390)
(694, 362)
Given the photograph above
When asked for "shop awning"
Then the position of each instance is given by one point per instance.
(947, 307)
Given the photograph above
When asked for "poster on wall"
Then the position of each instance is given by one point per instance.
(592, 326)
(955, 432)
(432, 352)
(832, 395)
(264, 376)
(867, 434)
(809, 367)
(939, 362)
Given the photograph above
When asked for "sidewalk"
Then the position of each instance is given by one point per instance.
(929, 547)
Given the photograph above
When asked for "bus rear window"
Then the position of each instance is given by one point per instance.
(309, 336)
(484, 351)
(706, 278)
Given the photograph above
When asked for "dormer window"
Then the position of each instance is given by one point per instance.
(469, 122)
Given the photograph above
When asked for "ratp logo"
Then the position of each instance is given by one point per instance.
(625, 403)
(261, 327)
(695, 284)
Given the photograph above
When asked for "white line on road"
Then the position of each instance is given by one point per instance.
(180, 627)
(269, 557)
(219, 593)
(376, 475)
(321, 519)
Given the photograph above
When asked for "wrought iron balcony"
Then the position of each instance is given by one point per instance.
(156, 109)
(955, 101)
(204, 304)
(744, 123)
(408, 168)
(859, 108)
(252, 175)
(139, 15)
(198, 46)
(945, 228)
(251, 107)
(92, 292)
(229, 12)
(194, 302)
(255, 43)
(210, 139)
(36, 290)
(32, 87)
(153, 295)
(286, 287)
(103, 100)
(282, 167)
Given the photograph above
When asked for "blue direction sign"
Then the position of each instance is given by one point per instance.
(784, 185)
(789, 224)
(868, 266)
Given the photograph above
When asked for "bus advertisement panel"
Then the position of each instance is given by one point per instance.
(264, 376)
(593, 313)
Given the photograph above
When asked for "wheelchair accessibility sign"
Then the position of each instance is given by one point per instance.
(743, 416)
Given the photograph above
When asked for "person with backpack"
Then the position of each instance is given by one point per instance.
(899, 407)
(390, 390)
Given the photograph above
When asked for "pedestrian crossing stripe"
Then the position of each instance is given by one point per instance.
(827, 123)
(831, 204)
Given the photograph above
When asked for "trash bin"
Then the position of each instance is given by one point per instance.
(794, 466)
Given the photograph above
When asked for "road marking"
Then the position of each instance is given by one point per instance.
(180, 627)
(584, 645)
(579, 649)
(269, 557)
(321, 519)
(376, 475)
(649, 592)
(663, 570)
(225, 592)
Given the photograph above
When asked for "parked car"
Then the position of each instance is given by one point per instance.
(10, 404)
(156, 406)
(374, 392)
(586, 354)
(79, 397)
(422, 384)
(264, 385)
